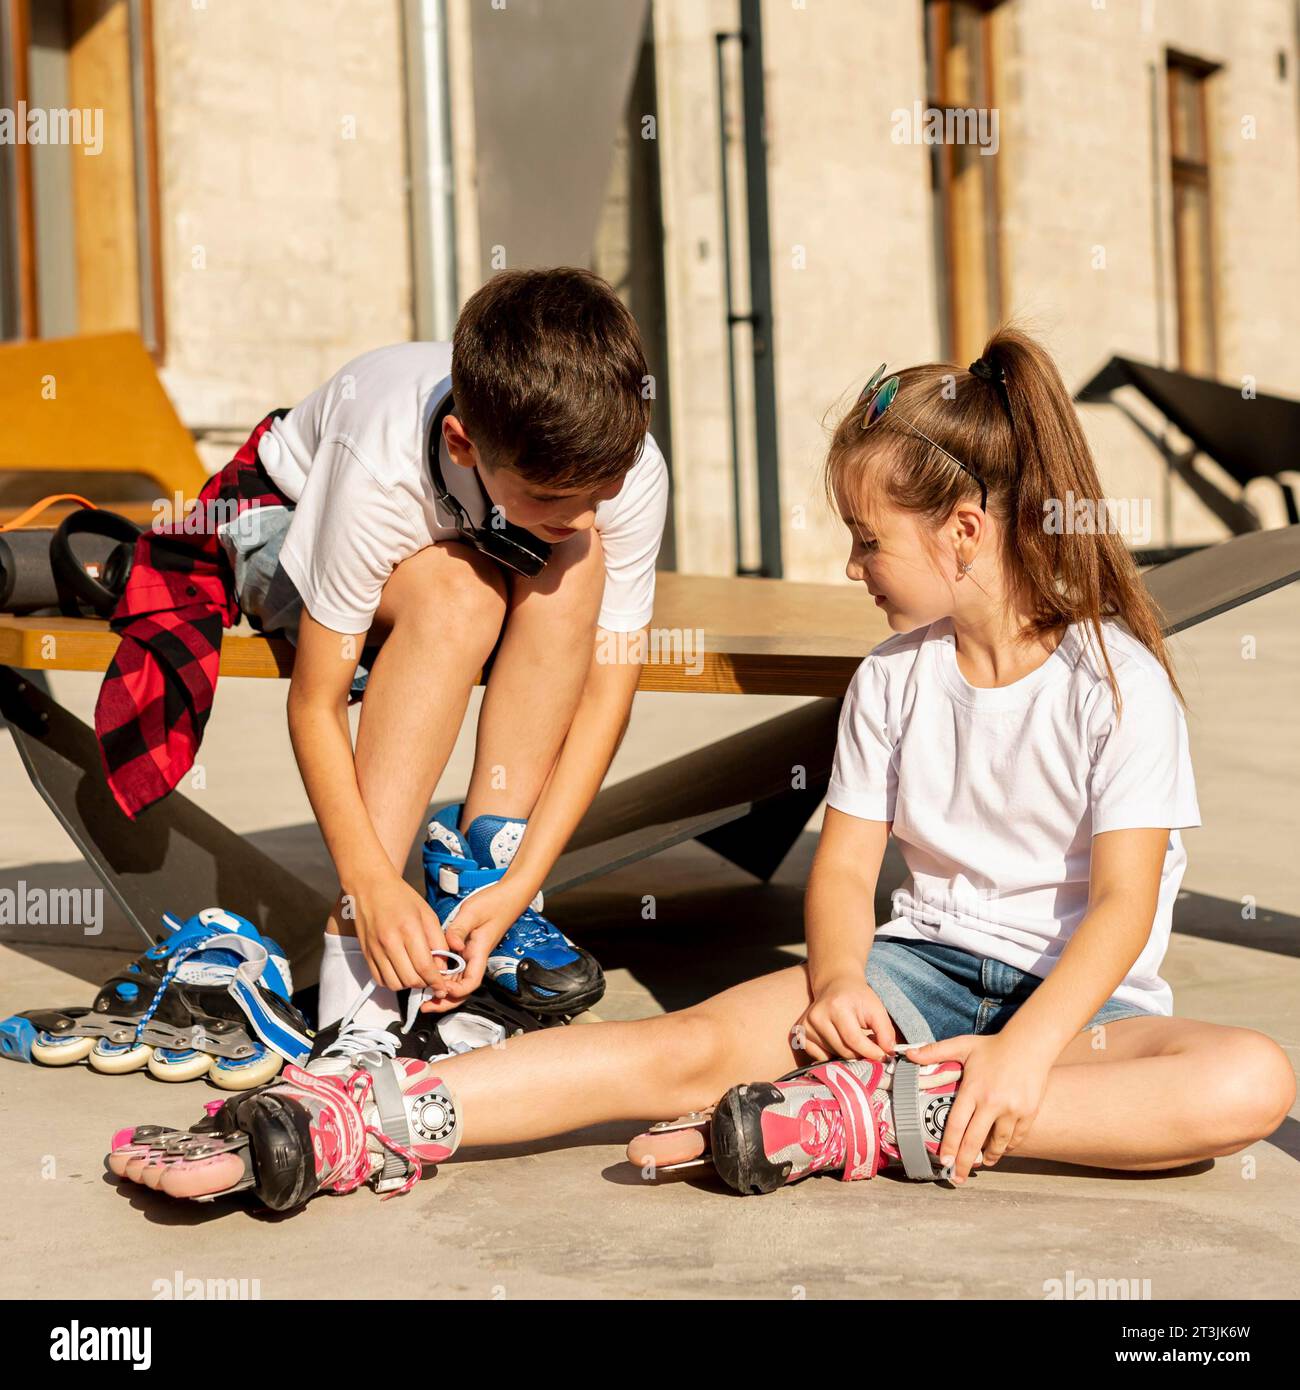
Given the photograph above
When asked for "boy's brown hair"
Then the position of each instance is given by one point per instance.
(549, 377)
(1028, 456)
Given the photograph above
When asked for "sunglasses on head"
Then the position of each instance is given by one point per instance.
(879, 395)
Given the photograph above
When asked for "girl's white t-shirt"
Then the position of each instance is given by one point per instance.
(995, 794)
(352, 458)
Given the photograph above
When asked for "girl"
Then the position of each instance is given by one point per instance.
(1021, 735)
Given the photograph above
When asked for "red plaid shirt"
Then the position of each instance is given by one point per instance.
(180, 597)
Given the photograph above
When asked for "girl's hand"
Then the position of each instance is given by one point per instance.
(838, 1021)
(480, 922)
(1001, 1089)
(399, 933)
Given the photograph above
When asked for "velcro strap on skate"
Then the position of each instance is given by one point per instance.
(861, 1132)
(387, 1095)
(457, 881)
(909, 1130)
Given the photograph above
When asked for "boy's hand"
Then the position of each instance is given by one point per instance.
(399, 932)
(838, 1021)
(480, 922)
(1001, 1089)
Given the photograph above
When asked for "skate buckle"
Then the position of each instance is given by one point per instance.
(395, 1183)
(691, 1121)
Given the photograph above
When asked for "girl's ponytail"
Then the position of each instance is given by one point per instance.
(1073, 574)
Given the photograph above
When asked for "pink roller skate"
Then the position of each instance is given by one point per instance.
(854, 1117)
(368, 1108)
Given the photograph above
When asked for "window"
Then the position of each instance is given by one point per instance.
(78, 194)
(963, 178)
(1193, 242)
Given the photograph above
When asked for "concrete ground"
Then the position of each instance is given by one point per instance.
(571, 1220)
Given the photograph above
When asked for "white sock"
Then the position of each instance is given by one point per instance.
(344, 973)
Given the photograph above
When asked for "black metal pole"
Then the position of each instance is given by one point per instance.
(760, 289)
(733, 318)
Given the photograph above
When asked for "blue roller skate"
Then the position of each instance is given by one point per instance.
(210, 999)
(534, 966)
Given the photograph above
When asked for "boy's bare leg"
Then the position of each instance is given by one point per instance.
(537, 679)
(1171, 1092)
(441, 610)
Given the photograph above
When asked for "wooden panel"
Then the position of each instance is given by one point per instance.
(109, 412)
(99, 78)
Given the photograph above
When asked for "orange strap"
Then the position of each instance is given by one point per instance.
(38, 507)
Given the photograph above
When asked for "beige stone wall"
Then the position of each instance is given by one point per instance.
(283, 169)
(1076, 132)
(851, 226)
(286, 244)
(850, 217)
(684, 56)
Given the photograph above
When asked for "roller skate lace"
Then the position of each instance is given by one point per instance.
(360, 1040)
(356, 1041)
(829, 1135)
(347, 1098)
(174, 962)
(361, 1043)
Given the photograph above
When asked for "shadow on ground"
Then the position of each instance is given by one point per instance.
(652, 919)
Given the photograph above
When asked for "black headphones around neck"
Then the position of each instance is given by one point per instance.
(506, 543)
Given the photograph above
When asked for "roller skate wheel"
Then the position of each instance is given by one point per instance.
(116, 1059)
(60, 1052)
(179, 1064)
(245, 1073)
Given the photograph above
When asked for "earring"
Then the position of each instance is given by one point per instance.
(966, 567)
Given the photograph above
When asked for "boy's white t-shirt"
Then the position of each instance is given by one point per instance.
(995, 794)
(352, 458)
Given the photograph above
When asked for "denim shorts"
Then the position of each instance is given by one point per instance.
(934, 991)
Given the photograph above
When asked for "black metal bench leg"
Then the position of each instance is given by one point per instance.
(173, 857)
(747, 797)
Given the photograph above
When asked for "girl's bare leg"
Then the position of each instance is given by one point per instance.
(1171, 1092)
(1161, 1093)
(566, 1078)
(563, 1079)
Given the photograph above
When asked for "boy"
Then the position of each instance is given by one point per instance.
(492, 500)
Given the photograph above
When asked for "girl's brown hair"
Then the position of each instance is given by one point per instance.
(1030, 450)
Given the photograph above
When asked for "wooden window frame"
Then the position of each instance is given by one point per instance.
(1196, 174)
(17, 186)
(942, 159)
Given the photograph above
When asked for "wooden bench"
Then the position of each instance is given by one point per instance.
(710, 636)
